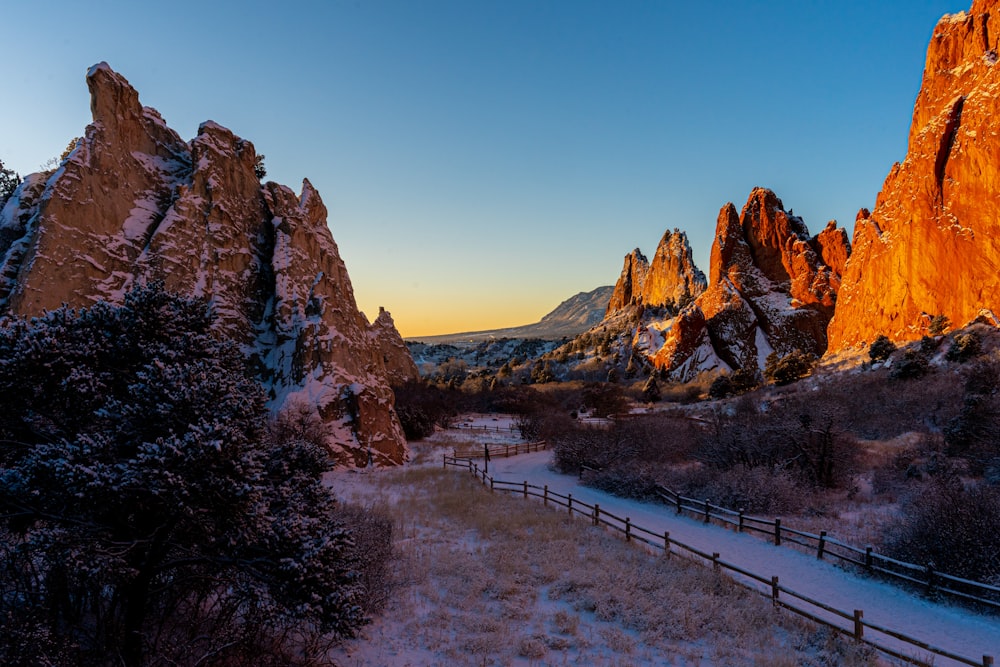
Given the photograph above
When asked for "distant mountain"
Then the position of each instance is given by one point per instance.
(570, 318)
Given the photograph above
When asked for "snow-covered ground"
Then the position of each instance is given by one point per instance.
(941, 625)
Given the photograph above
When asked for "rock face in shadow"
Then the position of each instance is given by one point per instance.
(400, 367)
(133, 202)
(931, 244)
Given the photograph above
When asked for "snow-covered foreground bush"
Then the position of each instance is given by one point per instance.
(487, 579)
(147, 515)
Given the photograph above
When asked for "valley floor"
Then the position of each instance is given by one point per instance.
(487, 579)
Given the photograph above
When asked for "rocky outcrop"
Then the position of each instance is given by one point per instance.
(133, 202)
(628, 289)
(770, 289)
(399, 365)
(670, 280)
(931, 244)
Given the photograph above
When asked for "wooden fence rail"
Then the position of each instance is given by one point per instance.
(856, 625)
(923, 577)
(497, 451)
(485, 428)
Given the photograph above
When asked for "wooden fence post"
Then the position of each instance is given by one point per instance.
(569, 503)
(628, 529)
(859, 626)
(774, 589)
(525, 488)
(506, 451)
(706, 511)
(777, 532)
(739, 529)
(868, 558)
(545, 496)
(597, 514)
(677, 497)
(715, 561)
(445, 462)
(929, 571)
(822, 544)
(491, 485)
(987, 661)
(666, 543)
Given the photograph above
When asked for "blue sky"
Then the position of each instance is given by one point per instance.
(482, 160)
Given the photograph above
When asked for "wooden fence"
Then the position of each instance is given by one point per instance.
(498, 451)
(856, 625)
(925, 578)
(485, 428)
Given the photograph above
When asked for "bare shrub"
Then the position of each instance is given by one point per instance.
(951, 527)
(975, 432)
(754, 490)
(647, 439)
(794, 435)
(632, 481)
(371, 551)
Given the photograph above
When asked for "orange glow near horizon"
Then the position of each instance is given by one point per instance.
(415, 319)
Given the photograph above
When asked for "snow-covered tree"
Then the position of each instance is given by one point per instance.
(143, 513)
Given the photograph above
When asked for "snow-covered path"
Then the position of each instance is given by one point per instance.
(951, 628)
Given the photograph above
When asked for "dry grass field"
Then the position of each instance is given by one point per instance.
(483, 579)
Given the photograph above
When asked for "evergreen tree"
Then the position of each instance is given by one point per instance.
(8, 183)
(142, 513)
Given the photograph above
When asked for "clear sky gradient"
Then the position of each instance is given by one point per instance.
(482, 160)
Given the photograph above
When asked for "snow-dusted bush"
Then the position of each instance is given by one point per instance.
(754, 490)
(951, 527)
(635, 481)
(144, 513)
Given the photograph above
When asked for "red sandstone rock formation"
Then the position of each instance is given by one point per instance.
(671, 279)
(133, 202)
(932, 243)
(770, 289)
(630, 283)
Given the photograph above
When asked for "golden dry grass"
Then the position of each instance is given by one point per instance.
(487, 579)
